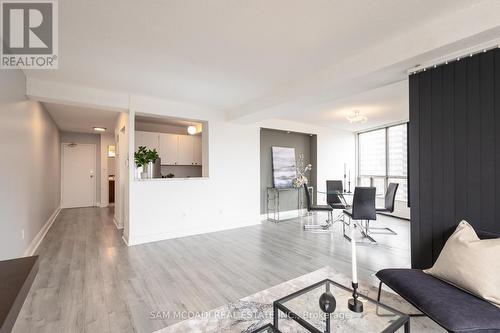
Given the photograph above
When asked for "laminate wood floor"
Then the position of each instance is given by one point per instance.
(89, 281)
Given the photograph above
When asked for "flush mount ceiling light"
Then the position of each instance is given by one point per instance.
(191, 130)
(99, 129)
(355, 117)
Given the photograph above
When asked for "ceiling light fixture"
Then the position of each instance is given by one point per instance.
(191, 130)
(99, 129)
(356, 118)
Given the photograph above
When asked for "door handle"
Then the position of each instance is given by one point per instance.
(91, 176)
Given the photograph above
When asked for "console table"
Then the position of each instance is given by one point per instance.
(273, 201)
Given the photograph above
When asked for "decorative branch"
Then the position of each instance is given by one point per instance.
(301, 171)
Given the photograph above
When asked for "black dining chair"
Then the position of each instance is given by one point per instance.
(334, 197)
(317, 208)
(390, 198)
(362, 209)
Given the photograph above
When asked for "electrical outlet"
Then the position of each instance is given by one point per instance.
(22, 233)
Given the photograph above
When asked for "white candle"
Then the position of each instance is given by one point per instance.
(353, 252)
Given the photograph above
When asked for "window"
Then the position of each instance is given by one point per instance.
(383, 159)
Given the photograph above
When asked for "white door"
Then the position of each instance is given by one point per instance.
(186, 150)
(78, 175)
(169, 144)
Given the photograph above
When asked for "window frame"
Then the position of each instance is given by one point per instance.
(387, 176)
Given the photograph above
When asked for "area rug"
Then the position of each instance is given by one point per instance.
(252, 312)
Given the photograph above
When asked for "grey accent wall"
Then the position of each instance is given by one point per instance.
(30, 171)
(88, 138)
(303, 143)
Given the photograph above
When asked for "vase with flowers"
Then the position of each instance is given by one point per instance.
(301, 172)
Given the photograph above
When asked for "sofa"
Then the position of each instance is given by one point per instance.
(450, 307)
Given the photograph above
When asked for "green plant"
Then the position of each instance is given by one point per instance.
(140, 157)
(143, 156)
(152, 155)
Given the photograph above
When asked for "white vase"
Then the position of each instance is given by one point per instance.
(138, 172)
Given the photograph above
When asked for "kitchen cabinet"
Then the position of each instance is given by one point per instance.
(169, 149)
(173, 149)
(186, 150)
(197, 148)
(148, 139)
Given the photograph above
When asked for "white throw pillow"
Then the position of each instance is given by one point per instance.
(470, 263)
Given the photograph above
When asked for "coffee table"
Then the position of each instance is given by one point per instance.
(303, 308)
(269, 328)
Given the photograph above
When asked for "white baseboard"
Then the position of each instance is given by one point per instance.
(142, 239)
(103, 205)
(118, 226)
(41, 234)
(284, 215)
(125, 240)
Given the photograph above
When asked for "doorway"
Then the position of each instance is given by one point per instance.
(78, 175)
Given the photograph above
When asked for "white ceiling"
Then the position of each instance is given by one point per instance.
(228, 54)
(80, 119)
(382, 106)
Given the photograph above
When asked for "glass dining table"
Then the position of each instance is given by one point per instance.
(342, 194)
(346, 198)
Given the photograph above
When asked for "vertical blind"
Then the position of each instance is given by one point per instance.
(454, 151)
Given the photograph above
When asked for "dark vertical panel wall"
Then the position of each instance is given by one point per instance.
(454, 151)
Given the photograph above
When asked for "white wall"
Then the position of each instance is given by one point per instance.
(30, 169)
(122, 132)
(227, 198)
(106, 140)
(107, 163)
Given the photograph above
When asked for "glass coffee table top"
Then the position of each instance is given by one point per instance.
(303, 306)
(269, 328)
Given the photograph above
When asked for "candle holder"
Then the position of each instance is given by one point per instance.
(354, 304)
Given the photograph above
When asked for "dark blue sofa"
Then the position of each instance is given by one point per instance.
(452, 308)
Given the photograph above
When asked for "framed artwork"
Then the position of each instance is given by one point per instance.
(284, 169)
